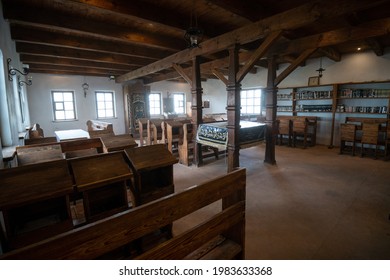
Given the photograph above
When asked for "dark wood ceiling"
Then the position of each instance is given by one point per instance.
(118, 37)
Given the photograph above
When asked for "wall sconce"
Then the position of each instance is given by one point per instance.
(12, 71)
(29, 81)
(85, 88)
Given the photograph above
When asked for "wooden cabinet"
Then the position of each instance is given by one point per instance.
(102, 180)
(34, 202)
(153, 172)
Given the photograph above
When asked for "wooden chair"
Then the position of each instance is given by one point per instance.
(299, 128)
(370, 136)
(284, 129)
(99, 128)
(347, 134)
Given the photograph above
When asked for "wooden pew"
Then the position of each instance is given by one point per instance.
(35, 132)
(143, 131)
(29, 154)
(102, 180)
(95, 240)
(34, 201)
(32, 154)
(171, 131)
(154, 131)
(82, 147)
(33, 141)
(98, 128)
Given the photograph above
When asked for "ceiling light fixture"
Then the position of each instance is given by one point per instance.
(320, 70)
(12, 71)
(193, 34)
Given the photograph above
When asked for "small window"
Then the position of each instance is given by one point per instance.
(155, 104)
(178, 103)
(105, 106)
(64, 108)
(251, 101)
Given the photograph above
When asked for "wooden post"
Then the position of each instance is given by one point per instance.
(233, 110)
(197, 91)
(271, 132)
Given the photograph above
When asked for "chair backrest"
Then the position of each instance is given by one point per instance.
(299, 125)
(347, 132)
(370, 133)
(33, 141)
(284, 126)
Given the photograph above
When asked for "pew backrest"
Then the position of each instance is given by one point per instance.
(117, 231)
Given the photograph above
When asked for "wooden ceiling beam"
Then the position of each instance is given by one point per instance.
(36, 68)
(294, 18)
(252, 10)
(27, 58)
(57, 51)
(293, 65)
(38, 17)
(257, 54)
(374, 28)
(64, 39)
(331, 53)
(375, 46)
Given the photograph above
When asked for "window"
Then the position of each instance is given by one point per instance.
(178, 103)
(105, 106)
(63, 105)
(155, 104)
(251, 101)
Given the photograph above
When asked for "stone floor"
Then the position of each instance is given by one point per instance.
(313, 204)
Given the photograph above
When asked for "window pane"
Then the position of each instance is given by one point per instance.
(68, 106)
(59, 106)
(57, 96)
(60, 115)
(105, 104)
(68, 96)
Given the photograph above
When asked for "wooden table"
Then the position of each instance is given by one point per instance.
(71, 134)
(118, 142)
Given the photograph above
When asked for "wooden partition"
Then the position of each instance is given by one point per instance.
(34, 201)
(220, 236)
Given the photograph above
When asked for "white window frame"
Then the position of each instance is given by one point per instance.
(63, 105)
(106, 105)
(177, 103)
(251, 101)
(154, 104)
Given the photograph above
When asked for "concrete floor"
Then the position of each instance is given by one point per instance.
(313, 204)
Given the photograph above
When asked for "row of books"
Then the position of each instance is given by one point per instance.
(314, 108)
(318, 94)
(362, 109)
(364, 93)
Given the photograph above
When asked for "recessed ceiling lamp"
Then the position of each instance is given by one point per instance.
(193, 34)
(359, 48)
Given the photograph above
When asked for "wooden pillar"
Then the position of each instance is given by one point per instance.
(271, 132)
(197, 91)
(233, 110)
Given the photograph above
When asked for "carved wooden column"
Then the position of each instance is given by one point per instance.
(271, 132)
(197, 91)
(233, 110)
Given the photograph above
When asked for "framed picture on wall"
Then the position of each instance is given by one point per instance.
(314, 81)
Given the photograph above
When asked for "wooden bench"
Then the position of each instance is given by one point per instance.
(154, 131)
(34, 201)
(36, 153)
(33, 141)
(221, 236)
(142, 130)
(35, 132)
(98, 128)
